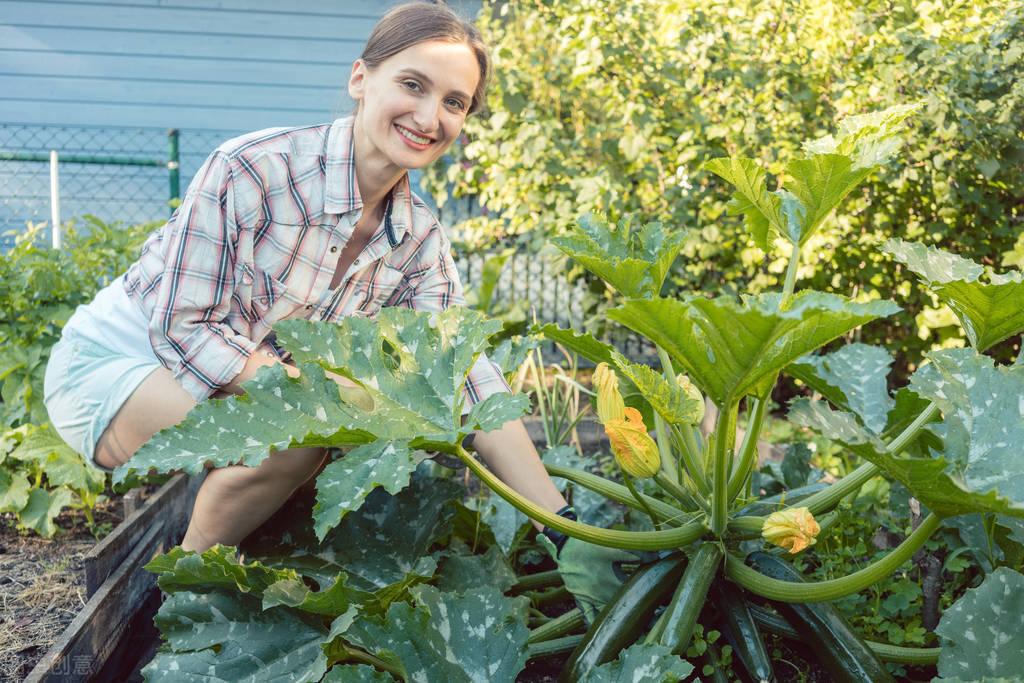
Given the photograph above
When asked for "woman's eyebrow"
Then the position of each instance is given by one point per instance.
(426, 79)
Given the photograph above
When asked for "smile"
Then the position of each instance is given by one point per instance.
(413, 137)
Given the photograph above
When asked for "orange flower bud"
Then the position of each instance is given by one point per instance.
(633, 448)
(609, 401)
(793, 529)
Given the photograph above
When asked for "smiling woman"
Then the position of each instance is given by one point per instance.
(317, 222)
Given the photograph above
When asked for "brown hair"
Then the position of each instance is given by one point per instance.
(418, 22)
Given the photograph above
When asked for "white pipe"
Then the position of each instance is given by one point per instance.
(54, 200)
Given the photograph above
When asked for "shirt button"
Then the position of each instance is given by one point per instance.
(334, 249)
(309, 306)
(357, 262)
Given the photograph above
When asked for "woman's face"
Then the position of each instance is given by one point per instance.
(413, 105)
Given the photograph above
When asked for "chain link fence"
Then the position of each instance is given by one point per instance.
(132, 174)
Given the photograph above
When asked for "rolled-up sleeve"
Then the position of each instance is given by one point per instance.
(187, 326)
(440, 288)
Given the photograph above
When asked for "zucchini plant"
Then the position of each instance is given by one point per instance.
(355, 589)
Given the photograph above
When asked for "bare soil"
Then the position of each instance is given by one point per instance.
(42, 583)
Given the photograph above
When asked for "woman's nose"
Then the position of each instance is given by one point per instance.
(426, 115)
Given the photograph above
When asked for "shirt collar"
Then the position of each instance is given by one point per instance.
(341, 195)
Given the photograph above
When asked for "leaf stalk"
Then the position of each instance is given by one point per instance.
(609, 538)
(833, 589)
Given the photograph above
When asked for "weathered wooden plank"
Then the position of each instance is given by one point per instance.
(170, 505)
(88, 642)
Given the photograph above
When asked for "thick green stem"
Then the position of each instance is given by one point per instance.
(748, 451)
(609, 538)
(541, 598)
(824, 591)
(668, 463)
(618, 492)
(352, 654)
(691, 455)
(558, 626)
(553, 647)
(830, 497)
(676, 491)
(535, 581)
(790, 285)
(725, 433)
(636, 494)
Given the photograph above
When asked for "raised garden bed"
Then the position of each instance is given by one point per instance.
(75, 609)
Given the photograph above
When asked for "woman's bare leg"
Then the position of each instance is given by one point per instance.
(233, 500)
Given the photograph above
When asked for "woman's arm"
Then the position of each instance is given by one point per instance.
(510, 454)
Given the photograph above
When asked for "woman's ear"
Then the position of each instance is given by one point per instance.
(357, 80)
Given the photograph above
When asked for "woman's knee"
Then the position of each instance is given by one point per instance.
(284, 471)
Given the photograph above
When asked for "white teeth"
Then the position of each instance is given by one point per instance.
(412, 136)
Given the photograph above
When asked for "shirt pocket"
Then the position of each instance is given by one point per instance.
(378, 289)
(261, 298)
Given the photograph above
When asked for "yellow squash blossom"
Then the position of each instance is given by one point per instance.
(633, 448)
(609, 401)
(793, 529)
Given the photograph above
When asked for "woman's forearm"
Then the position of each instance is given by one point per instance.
(510, 454)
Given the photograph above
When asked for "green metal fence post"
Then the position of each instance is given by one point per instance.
(173, 164)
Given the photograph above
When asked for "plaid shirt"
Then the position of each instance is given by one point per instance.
(257, 239)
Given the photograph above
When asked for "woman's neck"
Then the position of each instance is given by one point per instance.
(375, 174)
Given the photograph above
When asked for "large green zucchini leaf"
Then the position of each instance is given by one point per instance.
(979, 469)
(635, 262)
(460, 569)
(412, 366)
(988, 311)
(730, 348)
(478, 635)
(382, 548)
(251, 644)
(983, 417)
(650, 663)
(983, 632)
(582, 343)
(854, 378)
(813, 186)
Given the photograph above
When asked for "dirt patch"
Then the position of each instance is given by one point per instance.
(42, 584)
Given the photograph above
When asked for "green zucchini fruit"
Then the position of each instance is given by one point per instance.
(842, 653)
(623, 619)
(689, 598)
(740, 629)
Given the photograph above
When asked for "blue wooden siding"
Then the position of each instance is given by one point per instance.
(71, 69)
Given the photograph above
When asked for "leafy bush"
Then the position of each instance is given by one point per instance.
(39, 291)
(364, 577)
(611, 110)
(40, 475)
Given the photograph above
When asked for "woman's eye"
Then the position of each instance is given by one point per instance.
(456, 104)
(411, 85)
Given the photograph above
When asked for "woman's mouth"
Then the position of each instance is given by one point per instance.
(412, 139)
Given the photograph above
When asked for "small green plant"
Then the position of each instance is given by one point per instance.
(40, 475)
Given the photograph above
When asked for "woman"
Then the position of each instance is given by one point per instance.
(316, 222)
